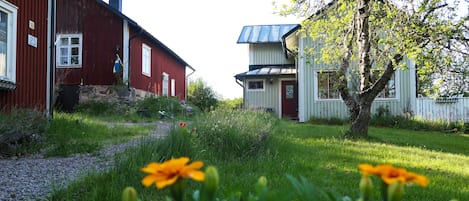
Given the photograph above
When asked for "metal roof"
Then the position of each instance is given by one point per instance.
(264, 33)
(267, 71)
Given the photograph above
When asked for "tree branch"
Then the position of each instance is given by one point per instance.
(431, 10)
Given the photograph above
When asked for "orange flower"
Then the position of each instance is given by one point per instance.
(182, 124)
(367, 169)
(167, 173)
(390, 174)
(418, 179)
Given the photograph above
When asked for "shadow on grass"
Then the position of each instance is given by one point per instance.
(332, 163)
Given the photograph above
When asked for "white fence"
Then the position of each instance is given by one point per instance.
(452, 109)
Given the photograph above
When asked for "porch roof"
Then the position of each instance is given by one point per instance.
(267, 71)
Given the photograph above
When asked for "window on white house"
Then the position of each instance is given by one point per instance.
(165, 84)
(146, 60)
(327, 88)
(173, 87)
(389, 90)
(8, 23)
(69, 50)
(327, 85)
(256, 85)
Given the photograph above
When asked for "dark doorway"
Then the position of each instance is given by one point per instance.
(289, 99)
(68, 97)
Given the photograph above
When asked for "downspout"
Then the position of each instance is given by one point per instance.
(50, 93)
(130, 53)
(241, 84)
(187, 83)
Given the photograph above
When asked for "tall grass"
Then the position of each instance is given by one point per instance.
(234, 133)
(316, 152)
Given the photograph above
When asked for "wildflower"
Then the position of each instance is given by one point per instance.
(167, 173)
(182, 124)
(390, 174)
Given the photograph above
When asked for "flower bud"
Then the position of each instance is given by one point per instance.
(262, 181)
(211, 183)
(365, 188)
(395, 191)
(212, 179)
(129, 194)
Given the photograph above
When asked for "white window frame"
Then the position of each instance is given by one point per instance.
(10, 59)
(396, 83)
(146, 60)
(164, 85)
(173, 87)
(69, 47)
(396, 88)
(256, 80)
(316, 87)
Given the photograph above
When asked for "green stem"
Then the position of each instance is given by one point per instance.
(384, 191)
(177, 190)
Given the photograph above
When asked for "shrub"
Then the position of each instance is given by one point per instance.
(231, 104)
(21, 132)
(150, 106)
(100, 108)
(201, 95)
(234, 133)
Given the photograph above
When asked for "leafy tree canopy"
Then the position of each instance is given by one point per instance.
(360, 37)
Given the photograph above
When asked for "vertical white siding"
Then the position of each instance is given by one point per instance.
(267, 98)
(267, 53)
(429, 109)
(313, 107)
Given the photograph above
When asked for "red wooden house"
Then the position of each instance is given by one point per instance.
(92, 36)
(25, 44)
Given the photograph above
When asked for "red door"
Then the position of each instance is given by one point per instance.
(290, 99)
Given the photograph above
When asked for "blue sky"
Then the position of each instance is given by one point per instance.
(204, 34)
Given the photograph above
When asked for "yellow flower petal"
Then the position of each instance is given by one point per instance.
(151, 168)
(367, 169)
(167, 173)
(148, 180)
(197, 175)
(178, 161)
(163, 183)
(196, 165)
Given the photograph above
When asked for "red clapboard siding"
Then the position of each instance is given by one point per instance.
(102, 33)
(161, 61)
(31, 62)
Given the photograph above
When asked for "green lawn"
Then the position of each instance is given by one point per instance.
(77, 133)
(316, 152)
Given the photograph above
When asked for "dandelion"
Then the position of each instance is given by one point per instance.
(167, 173)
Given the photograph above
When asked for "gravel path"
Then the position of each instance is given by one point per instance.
(32, 178)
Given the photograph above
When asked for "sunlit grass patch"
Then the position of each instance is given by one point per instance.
(72, 133)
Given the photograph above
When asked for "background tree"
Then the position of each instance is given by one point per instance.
(360, 37)
(201, 95)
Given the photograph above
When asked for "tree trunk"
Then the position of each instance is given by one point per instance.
(360, 114)
(359, 124)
